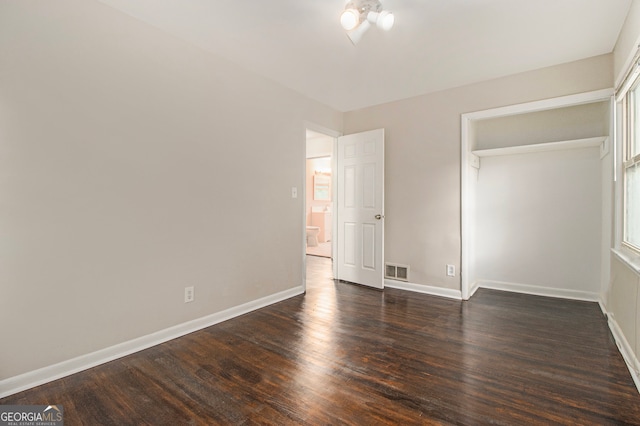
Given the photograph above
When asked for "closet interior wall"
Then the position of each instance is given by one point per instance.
(538, 201)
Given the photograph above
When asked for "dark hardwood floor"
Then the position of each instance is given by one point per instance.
(344, 354)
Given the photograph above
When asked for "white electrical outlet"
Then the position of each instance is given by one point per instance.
(451, 270)
(189, 294)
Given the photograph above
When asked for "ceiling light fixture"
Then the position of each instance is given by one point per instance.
(358, 15)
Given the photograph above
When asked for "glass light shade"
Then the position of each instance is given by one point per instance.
(385, 20)
(349, 19)
(356, 35)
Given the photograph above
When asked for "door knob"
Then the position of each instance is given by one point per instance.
(379, 216)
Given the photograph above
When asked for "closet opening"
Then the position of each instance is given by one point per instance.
(535, 180)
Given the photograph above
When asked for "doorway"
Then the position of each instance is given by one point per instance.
(319, 201)
(352, 190)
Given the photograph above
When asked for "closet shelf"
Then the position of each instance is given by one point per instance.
(541, 147)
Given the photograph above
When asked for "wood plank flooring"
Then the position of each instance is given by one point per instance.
(343, 354)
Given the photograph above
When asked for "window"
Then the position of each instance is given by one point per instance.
(631, 163)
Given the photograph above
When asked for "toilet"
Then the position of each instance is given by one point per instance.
(312, 235)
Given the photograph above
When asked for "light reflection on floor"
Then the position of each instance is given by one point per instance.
(320, 322)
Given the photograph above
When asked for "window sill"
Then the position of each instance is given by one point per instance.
(629, 258)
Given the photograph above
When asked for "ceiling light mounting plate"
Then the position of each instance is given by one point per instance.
(365, 6)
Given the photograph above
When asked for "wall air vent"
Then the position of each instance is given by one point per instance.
(396, 272)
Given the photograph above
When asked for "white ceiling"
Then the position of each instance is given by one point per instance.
(434, 45)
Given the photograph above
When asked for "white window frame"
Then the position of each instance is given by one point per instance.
(629, 138)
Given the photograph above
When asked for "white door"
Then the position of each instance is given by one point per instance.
(360, 208)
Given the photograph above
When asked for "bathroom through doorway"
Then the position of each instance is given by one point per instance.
(319, 201)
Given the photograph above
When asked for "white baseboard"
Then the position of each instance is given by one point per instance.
(602, 307)
(38, 377)
(43, 375)
(495, 285)
(541, 291)
(625, 349)
(426, 289)
(474, 287)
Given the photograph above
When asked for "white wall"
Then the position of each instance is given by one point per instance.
(422, 163)
(133, 164)
(623, 308)
(538, 222)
